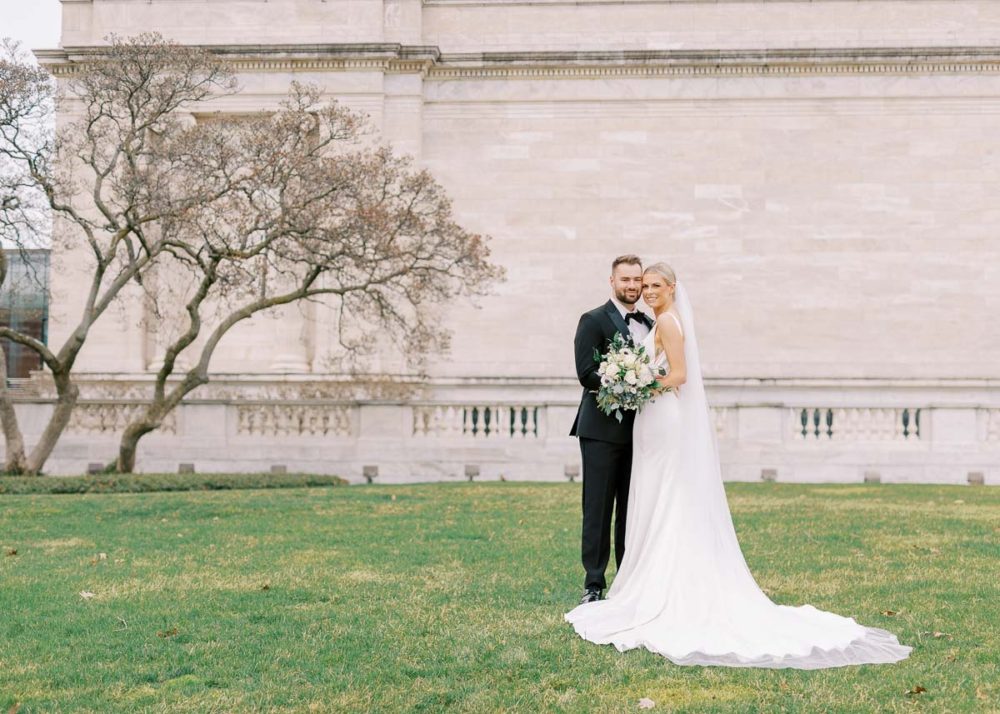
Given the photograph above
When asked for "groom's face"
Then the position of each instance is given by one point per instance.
(626, 283)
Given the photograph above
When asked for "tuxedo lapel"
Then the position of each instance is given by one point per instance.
(618, 320)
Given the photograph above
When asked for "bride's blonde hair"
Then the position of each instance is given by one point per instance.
(663, 270)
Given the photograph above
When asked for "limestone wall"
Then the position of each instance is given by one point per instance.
(822, 174)
(831, 208)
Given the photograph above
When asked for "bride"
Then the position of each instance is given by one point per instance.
(683, 589)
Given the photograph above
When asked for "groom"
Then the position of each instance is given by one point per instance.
(606, 444)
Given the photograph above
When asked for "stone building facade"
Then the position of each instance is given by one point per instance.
(821, 174)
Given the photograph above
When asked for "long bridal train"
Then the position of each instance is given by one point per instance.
(684, 590)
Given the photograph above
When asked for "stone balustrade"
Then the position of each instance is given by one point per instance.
(474, 421)
(818, 424)
(944, 431)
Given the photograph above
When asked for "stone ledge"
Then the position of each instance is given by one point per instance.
(428, 60)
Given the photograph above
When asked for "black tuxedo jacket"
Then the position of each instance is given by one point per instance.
(595, 330)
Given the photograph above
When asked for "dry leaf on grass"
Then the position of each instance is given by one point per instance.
(646, 703)
(167, 633)
(265, 586)
(12, 551)
(915, 691)
(86, 594)
(14, 708)
(889, 613)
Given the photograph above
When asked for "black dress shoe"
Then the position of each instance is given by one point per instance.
(590, 595)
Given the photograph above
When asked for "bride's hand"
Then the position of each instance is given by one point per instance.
(662, 388)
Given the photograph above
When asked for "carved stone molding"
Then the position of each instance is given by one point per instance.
(295, 419)
(430, 62)
(111, 418)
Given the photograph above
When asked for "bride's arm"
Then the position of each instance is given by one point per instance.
(672, 343)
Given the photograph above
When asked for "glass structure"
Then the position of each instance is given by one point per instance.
(24, 306)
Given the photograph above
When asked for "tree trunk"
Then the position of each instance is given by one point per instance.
(15, 461)
(67, 393)
(129, 445)
(153, 417)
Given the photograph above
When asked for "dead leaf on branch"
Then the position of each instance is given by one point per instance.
(646, 703)
(915, 691)
(165, 634)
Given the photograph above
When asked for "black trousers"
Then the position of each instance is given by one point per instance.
(607, 468)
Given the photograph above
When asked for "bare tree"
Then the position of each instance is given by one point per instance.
(102, 177)
(215, 221)
(319, 214)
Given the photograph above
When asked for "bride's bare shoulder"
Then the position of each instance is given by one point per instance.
(668, 325)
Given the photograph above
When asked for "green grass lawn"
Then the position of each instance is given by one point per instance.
(451, 596)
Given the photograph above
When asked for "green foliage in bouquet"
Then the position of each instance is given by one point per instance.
(628, 377)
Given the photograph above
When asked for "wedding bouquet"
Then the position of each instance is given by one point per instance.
(628, 379)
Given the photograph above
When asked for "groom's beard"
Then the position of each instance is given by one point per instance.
(624, 299)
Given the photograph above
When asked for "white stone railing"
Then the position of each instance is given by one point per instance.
(818, 424)
(111, 418)
(474, 421)
(989, 426)
(329, 420)
(788, 430)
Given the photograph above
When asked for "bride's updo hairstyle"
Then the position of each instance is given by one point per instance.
(663, 270)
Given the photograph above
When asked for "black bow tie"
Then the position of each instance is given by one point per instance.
(637, 316)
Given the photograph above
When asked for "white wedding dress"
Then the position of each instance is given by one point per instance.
(683, 589)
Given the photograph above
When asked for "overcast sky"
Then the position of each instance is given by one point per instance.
(33, 23)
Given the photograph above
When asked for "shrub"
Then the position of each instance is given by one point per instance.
(142, 483)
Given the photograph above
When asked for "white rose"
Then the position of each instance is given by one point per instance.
(630, 378)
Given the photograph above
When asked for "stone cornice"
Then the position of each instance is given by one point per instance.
(364, 57)
(433, 64)
(780, 62)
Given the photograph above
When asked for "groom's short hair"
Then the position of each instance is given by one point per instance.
(628, 259)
